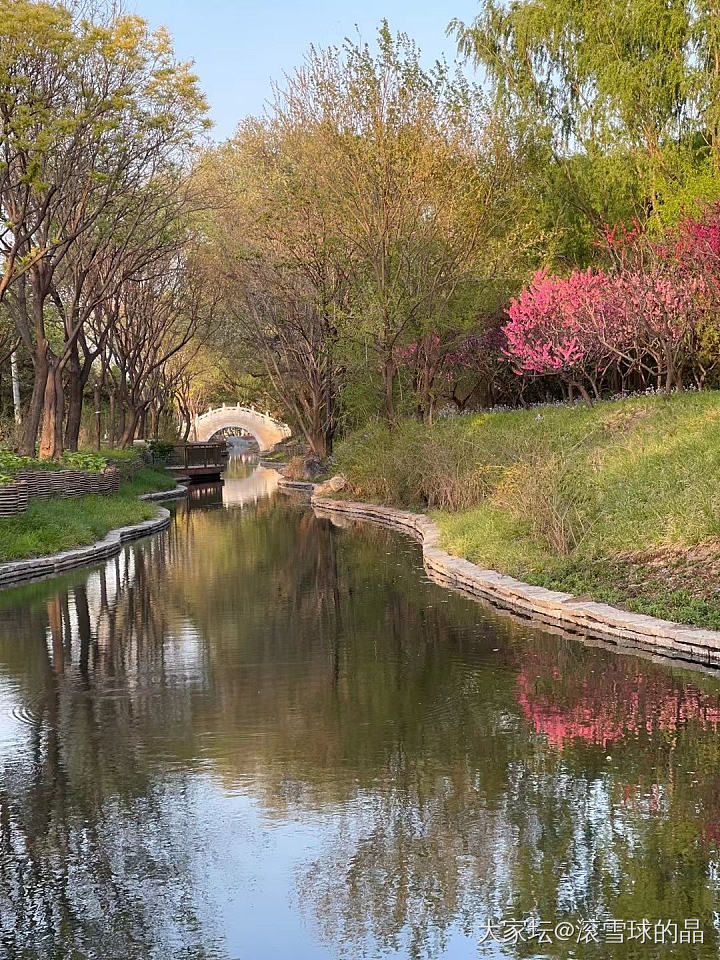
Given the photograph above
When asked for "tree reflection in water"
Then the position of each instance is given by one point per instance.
(94, 845)
(255, 663)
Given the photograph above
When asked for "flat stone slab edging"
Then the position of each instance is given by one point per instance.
(174, 494)
(34, 568)
(302, 485)
(563, 610)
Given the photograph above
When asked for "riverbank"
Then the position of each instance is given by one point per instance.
(618, 504)
(555, 608)
(58, 525)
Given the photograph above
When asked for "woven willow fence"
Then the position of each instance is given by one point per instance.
(42, 484)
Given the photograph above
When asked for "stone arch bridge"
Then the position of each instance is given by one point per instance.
(266, 430)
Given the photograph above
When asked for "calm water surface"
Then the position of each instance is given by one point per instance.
(263, 736)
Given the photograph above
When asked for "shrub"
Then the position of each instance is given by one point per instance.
(10, 462)
(447, 466)
(295, 469)
(544, 491)
(160, 450)
(84, 460)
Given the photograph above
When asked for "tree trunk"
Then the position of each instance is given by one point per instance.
(75, 401)
(584, 394)
(35, 407)
(388, 375)
(97, 401)
(424, 386)
(111, 419)
(51, 445)
(317, 442)
(17, 408)
(330, 407)
(186, 415)
(131, 420)
(669, 370)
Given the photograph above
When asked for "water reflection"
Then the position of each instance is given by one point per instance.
(244, 483)
(260, 735)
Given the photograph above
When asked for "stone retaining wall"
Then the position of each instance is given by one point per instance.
(175, 493)
(302, 485)
(583, 617)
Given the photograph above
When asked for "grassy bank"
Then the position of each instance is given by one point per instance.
(49, 526)
(620, 503)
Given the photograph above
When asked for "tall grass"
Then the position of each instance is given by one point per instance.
(622, 477)
(448, 467)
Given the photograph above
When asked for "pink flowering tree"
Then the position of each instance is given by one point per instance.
(662, 292)
(695, 246)
(644, 321)
(659, 309)
(696, 254)
(561, 326)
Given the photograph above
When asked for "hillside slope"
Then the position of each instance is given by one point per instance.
(620, 502)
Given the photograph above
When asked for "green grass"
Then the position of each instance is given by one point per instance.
(49, 526)
(149, 480)
(120, 453)
(620, 502)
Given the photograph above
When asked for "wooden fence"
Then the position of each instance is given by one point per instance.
(42, 484)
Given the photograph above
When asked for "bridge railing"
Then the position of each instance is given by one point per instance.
(249, 410)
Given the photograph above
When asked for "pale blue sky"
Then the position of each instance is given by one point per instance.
(239, 46)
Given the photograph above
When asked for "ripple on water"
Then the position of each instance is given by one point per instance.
(28, 713)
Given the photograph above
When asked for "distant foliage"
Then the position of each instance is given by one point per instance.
(160, 450)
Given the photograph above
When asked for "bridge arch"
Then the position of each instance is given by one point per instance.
(266, 430)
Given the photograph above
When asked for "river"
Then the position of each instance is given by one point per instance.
(261, 736)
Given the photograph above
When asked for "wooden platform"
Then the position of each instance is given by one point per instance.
(199, 462)
(196, 474)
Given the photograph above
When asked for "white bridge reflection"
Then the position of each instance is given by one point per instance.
(242, 487)
(244, 482)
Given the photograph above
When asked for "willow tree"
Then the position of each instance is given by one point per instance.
(625, 94)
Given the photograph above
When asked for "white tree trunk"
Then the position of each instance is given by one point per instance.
(15, 386)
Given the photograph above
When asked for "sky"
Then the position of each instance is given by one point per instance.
(240, 46)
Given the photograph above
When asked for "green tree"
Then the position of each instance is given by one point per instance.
(92, 111)
(624, 96)
(284, 269)
(423, 182)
